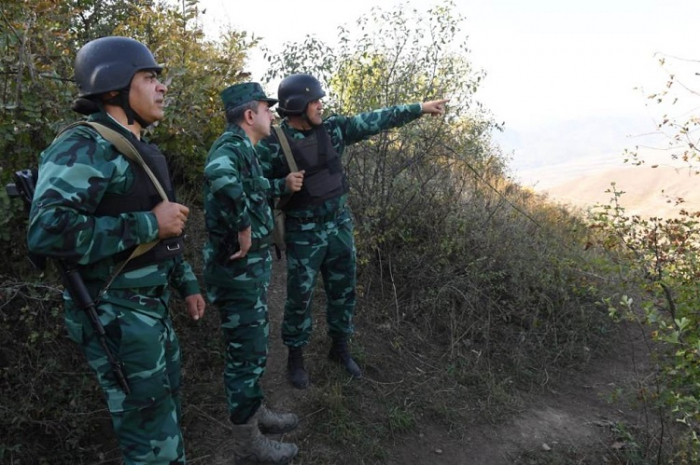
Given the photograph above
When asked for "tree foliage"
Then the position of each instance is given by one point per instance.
(661, 256)
(38, 42)
(36, 81)
(196, 71)
(396, 57)
(444, 241)
(453, 254)
(675, 106)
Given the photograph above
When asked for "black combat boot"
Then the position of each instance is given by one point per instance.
(340, 353)
(295, 368)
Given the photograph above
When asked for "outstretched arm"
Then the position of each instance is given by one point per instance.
(434, 107)
(359, 127)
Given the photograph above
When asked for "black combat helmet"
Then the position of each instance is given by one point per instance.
(109, 63)
(296, 91)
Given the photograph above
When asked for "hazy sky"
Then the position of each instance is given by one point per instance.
(548, 63)
(545, 59)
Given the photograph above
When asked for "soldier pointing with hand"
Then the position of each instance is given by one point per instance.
(318, 225)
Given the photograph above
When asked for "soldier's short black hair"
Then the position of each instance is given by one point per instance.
(235, 115)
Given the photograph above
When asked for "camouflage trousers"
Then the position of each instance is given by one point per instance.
(242, 305)
(325, 247)
(146, 421)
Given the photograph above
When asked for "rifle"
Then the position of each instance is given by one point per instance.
(24, 185)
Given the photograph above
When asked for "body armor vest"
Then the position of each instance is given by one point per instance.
(143, 197)
(324, 178)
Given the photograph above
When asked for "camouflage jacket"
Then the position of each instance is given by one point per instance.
(236, 195)
(75, 172)
(343, 131)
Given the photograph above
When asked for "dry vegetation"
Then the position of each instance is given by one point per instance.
(476, 294)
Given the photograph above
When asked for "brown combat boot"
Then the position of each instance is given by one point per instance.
(250, 447)
(275, 422)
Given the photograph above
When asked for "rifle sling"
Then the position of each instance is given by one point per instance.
(290, 161)
(127, 149)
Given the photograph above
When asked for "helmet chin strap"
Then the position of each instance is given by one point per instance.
(131, 115)
(122, 100)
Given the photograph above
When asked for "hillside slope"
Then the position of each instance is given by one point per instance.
(572, 416)
(648, 191)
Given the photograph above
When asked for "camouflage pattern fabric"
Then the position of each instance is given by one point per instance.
(236, 195)
(328, 248)
(75, 172)
(343, 131)
(244, 92)
(147, 420)
(242, 308)
(319, 238)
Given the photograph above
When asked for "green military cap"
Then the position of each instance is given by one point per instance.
(239, 94)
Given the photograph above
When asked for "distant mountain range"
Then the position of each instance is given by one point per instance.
(576, 161)
(647, 191)
(552, 153)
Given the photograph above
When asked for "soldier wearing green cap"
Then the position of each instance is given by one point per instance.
(238, 266)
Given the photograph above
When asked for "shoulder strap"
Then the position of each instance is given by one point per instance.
(286, 148)
(127, 149)
(291, 162)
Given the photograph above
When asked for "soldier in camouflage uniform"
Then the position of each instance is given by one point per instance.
(238, 265)
(92, 207)
(318, 226)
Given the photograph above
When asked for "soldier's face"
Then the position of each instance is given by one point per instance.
(262, 120)
(314, 111)
(147, 96)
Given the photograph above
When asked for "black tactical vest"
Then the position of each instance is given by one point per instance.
(143, 197)
(324, 178)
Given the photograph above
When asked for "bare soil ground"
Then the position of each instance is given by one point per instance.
(571, 416)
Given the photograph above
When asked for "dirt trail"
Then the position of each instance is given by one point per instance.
(574, 414)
